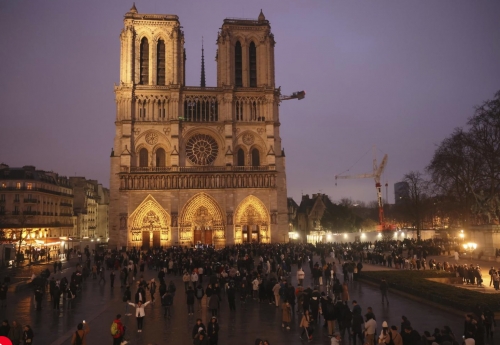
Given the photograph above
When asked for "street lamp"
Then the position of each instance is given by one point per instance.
(46, 251)
(470, 246)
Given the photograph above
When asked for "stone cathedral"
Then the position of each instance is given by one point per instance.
(196, 165)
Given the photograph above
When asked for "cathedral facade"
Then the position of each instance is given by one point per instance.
(195, 165)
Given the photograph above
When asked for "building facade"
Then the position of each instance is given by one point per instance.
(36, 208)
(196, 164)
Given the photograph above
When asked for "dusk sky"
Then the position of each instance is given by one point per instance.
(400, 75)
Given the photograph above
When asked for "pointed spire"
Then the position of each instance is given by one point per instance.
(133, 9)
(262, 17)
(202, 81)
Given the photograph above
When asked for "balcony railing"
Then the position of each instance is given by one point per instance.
(30, 201)
(201, 169)
(29, 213)
(66, 204)
(65, 214)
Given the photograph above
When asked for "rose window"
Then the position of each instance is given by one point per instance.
(202, 149)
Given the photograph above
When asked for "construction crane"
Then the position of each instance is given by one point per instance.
(296, 95)
(377, 172)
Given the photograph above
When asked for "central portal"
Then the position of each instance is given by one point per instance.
(203, 235)
(202, 222)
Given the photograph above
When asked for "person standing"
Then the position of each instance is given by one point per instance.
(370, 328)
(300, 276)
(127, 296)
(15, 333)
(199, 295)
(139, 313)
(118, 331)
(80, 336)
(190, 300)
(213, 331)
(38, 297)
(384, 287)
(276, 292)
(213, 305)
(287, 315)
(345, 292)
(186, 278)
(28, 335)
(112, 278)
(152, 290)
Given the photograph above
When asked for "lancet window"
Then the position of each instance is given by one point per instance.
(160, 158)
(143, 158)
(253, 64)
(160, 63)
(238, 65)
(144, 60)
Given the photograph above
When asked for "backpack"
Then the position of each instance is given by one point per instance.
(391, 342)
(78, 340)
(114, 329)
(199, 293)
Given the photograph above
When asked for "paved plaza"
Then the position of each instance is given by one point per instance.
(98, 305)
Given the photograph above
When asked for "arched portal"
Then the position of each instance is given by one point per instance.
(150, 225)
(252, 221)
(202, 222)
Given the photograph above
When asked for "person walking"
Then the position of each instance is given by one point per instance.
(287, 315)
(198, 328)
(139, 313)
(80, 336)
(384, 287)
(166, 301)
(304, 324)
(300, 276)
(118, 331)
(38, 297)
(186, 278)
(345, 292)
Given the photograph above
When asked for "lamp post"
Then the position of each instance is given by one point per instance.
(470, 247)
(46, 250)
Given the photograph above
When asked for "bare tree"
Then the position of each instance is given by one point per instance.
(418, 186)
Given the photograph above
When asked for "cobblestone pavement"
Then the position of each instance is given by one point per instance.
(98, 305)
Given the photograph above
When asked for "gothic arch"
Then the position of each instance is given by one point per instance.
(202, 214)
(149, 225)
(252, 215)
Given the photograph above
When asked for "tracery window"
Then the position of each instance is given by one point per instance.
(238, 65)
(201, 109)
(253, 64)
(202, 149)
(144, 56)
(160, 63)
(143, 157)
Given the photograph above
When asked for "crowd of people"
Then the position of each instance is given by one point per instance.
(258, 273)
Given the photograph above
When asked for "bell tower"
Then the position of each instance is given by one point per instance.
(245, 55)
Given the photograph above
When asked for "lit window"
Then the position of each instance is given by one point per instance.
(18, 185)
(29, 186)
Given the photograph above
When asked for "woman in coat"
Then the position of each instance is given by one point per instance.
(304, 323)
(139, 313)
(287, 315)
(345, 292)
(213, 331)
(213, 305)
